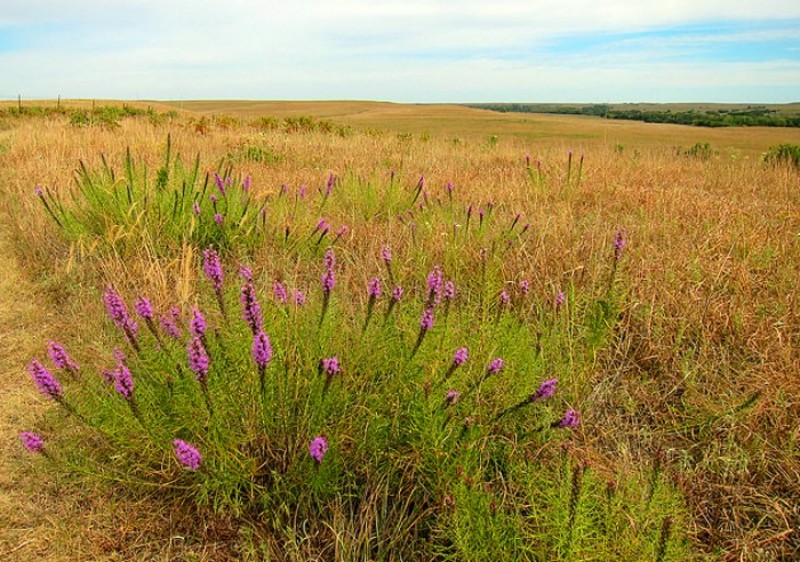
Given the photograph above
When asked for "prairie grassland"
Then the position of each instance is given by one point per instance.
(695, 381)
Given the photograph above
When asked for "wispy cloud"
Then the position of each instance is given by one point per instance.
(405, 51)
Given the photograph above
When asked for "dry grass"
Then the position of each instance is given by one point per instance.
(713, 315)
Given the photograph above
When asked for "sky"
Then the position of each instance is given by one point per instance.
(403, 51)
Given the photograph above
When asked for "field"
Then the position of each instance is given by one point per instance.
(650, 269)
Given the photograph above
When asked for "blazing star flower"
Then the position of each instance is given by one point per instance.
(299, 297)
(495, 366)
(123, 381)
(528, 160)
(329, 261)
(449, 292)
(560, 298)
(262, 349)
(342, 231)
(198, 323)
(386, 255)
(279, 292)
(60, 357)
(546, 390)
(32, 442)
(196, 208)
(374, 288)
(246, 183)
(460, 357)
(318, 448)
(213, 268)
(330, 184)
(198, 358)
(330, 365)
(434, 283)
(144, 308)
(38, 191)
(570, 419)
(619, 243)
(328, 280)
(246, 273)
(119, 355)
(524, 287)
(452, 397)
(505, 298)
(213, 199)
(322, 224)
(45, 381)
(449, 187)
(251, 309)
(187, 454)
(427, 320)
(301, 192)
(220, 184)
(118, 312)
(169, 327)
(397, 294)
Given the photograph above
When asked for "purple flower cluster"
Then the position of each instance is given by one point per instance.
(144, 308)
(32, 442)
(524, 287)
(570, 419)
(505, 298)
(187, 454)
(45, 381)
(449, 292)
(123, 381)
(435, 285)
(427, 320)
(168, 323)
(118, 313)
(452, 396)
(279, 292)
(198, 358)
(460, 357)
(397, 293)
(374, 288)
(495, 366)
(620, 241)
(299, 297)
(262, 349)
(560, 298)
(251, 309)
(545, 390)
(317, 448)
(60, 358)
(330, 365)
(329, 277)
(386, 255)
(212, 267)
(198, 324)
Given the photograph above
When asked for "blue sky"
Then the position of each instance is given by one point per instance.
(409, 51)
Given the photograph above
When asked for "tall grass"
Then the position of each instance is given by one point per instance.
(669, 348)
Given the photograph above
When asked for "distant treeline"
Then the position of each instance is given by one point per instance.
(751, 116)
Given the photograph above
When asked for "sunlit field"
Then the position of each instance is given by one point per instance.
(371, 331)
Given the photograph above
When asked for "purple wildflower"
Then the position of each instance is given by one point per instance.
(60, 357)
(118, 312)
(187, 454)
(144, 308)
(218, 219)
(330, 184)
(318, 448)
(560, 298)
(329, 261)
(619, 243)
(342, 231)
(220, 183)
(505, 298)
(449, 187)
(123, 381)
(570, 419)
(495, 366)
(322, 225)
(397, 293)
(374, 288)
(449, 292)
(301, 192)
(246, 273)
(196, 208)
(251, 309)
(330, 365)
(45, 380)
(452, 397)
(169, 327)
(198, 324)
(246, 183)
(427, 320)
(213, 199)
(434, 284)
(546, 390)
(328, 280)
(119, 355)
(279, 292)
(524, 287)
(198, 358)
(460, 357)
(213, 268)
(386, 255)
(38, 191)
(528, 160)
(32, 442)
(299, 297)
(262, 349)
